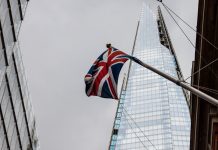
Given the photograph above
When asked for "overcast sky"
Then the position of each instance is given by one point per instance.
(60, 39)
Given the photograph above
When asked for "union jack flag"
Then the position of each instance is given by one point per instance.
(102, 78)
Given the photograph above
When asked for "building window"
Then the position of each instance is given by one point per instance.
(215, 137)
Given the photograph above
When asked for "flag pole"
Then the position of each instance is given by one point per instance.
(179, 83)
(124, 84)
(133, 49)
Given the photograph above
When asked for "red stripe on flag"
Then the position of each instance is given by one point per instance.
(112, 89)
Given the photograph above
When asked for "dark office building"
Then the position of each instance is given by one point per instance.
(17, 122)
(204, 116)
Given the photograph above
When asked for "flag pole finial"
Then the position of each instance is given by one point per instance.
(108, 45)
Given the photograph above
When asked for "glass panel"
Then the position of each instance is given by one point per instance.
(2, 135)
(16, 15)
(4, 146)
(1, 40)
(18, 98)
(5, 101)
(13, 140)
(11, 128)
(154, 113)
(3, 11)
(23, 5)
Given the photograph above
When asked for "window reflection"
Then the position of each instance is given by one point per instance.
(157, 107)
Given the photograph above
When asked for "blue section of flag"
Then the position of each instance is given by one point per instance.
(102, 78)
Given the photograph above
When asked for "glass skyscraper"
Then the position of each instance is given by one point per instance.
(17, 122)
(153, 113)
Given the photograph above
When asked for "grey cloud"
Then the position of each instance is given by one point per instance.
(60, 40)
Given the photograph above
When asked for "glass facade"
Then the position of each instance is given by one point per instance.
(153, 112)
(17, 122)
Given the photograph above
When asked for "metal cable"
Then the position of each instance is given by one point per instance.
(204, 88)
(179, 27)
(190, 26)
(134, 132)
(202, 68)
(139, 128)
(207, 89)
(188, 39)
